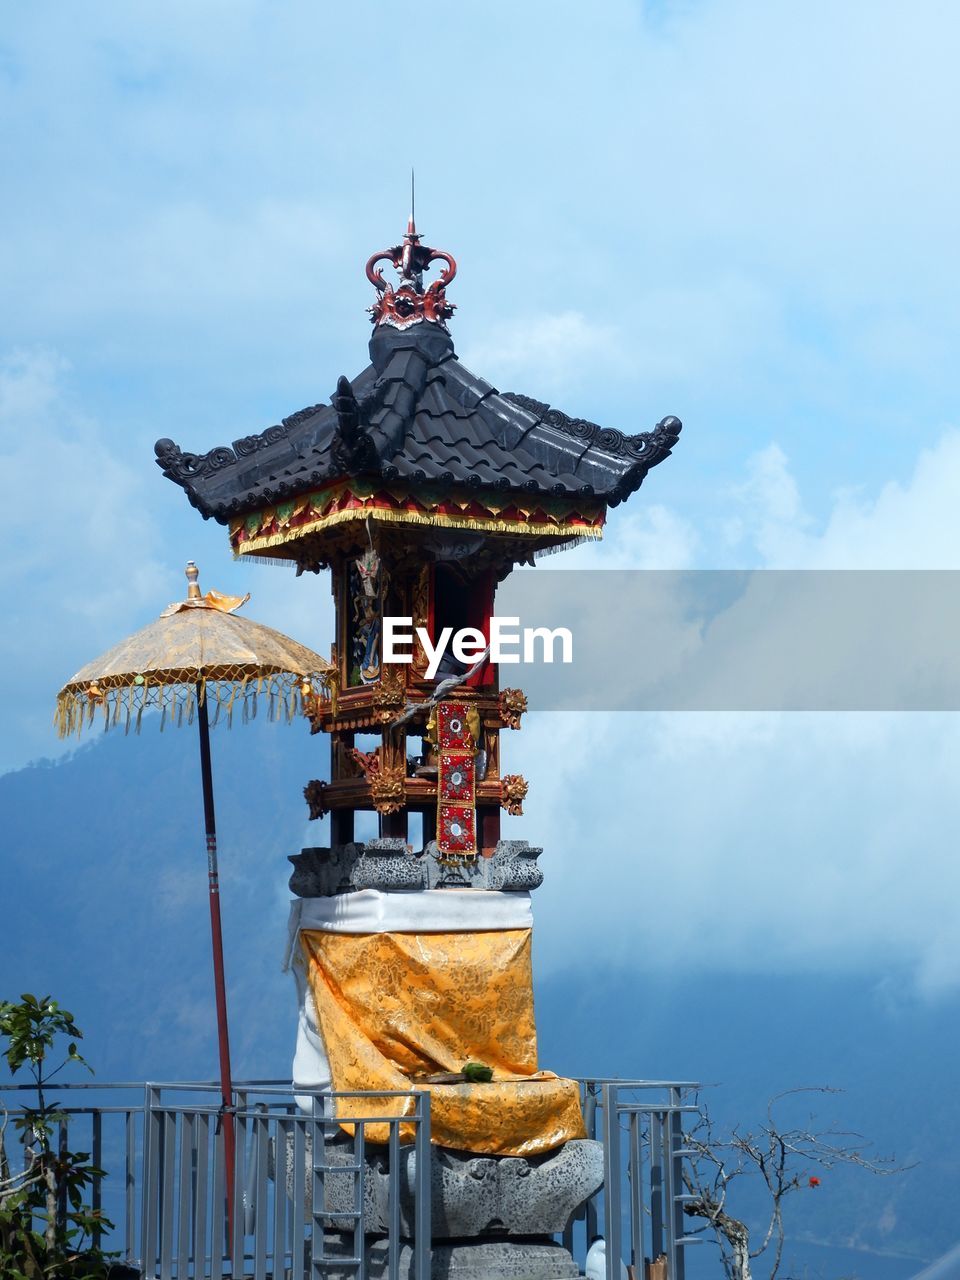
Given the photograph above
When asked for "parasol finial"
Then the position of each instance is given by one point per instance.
(193, 575)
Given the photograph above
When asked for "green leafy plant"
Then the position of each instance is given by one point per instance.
(47, 1230)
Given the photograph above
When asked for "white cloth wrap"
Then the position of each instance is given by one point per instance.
(373, 911)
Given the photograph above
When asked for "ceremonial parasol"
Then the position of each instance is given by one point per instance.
(198, 652)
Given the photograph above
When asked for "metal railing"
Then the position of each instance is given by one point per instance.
(308, 1200)
(639, 1209)
(301, 1199)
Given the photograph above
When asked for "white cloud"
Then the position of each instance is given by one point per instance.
(81, 557)
(546, 351)
(650, 537)
(910, 524)
(772, 844)
(781, 843)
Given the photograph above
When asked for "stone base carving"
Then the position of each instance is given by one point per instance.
(513, 865)
(461, 1260)
(380, 864)
(471, 1195)
(388, 864)
(491, 1216)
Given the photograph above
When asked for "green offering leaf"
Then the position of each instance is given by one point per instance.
(478, 1072)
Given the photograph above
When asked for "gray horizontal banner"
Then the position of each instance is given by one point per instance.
(738, 641)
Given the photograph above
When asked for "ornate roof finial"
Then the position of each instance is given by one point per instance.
(410, 303)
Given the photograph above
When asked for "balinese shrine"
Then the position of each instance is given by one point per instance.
(419, 486)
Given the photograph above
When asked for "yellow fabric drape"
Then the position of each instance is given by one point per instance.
(395, 1007)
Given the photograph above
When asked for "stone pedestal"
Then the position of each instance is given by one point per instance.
(492, 1216)
(495, 1259)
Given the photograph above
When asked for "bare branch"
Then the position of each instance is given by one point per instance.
(780, 1158)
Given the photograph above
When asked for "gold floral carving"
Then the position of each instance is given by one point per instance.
(513, 792)
(513, 703)
(314, 704)
(389, 693)
(386, 790)
(385, 781)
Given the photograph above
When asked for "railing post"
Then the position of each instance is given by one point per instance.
(261, 1141)
(168, 1163)
(359, 1179)
(130, 1181)
(235, 1135)
(590, 1123)
(281, 1161)
(669, 1193)
(422, 1242)
(675, 1162)
(611, 1182)
(219, 1234)
(302, 1186)
(393, 1202)
(150, 1178)
(96, 1156)
(201, 1190)
(656, 1184)
(63, 1144)
(184, 1197)
(637, 1230)
(318, 1159)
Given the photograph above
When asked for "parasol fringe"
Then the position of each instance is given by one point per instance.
(77, 707)
(230, 702)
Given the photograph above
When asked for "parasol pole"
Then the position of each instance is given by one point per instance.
(216, 933)
(198, 635)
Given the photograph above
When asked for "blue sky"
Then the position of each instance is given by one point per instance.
(739, 212)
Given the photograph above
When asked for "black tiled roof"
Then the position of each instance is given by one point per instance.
(416, 414)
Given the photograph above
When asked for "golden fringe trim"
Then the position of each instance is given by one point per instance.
(120, 702)
(575, 541)
(282, 562)
(252, 546)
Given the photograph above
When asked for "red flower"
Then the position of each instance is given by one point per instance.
(814, 1181)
